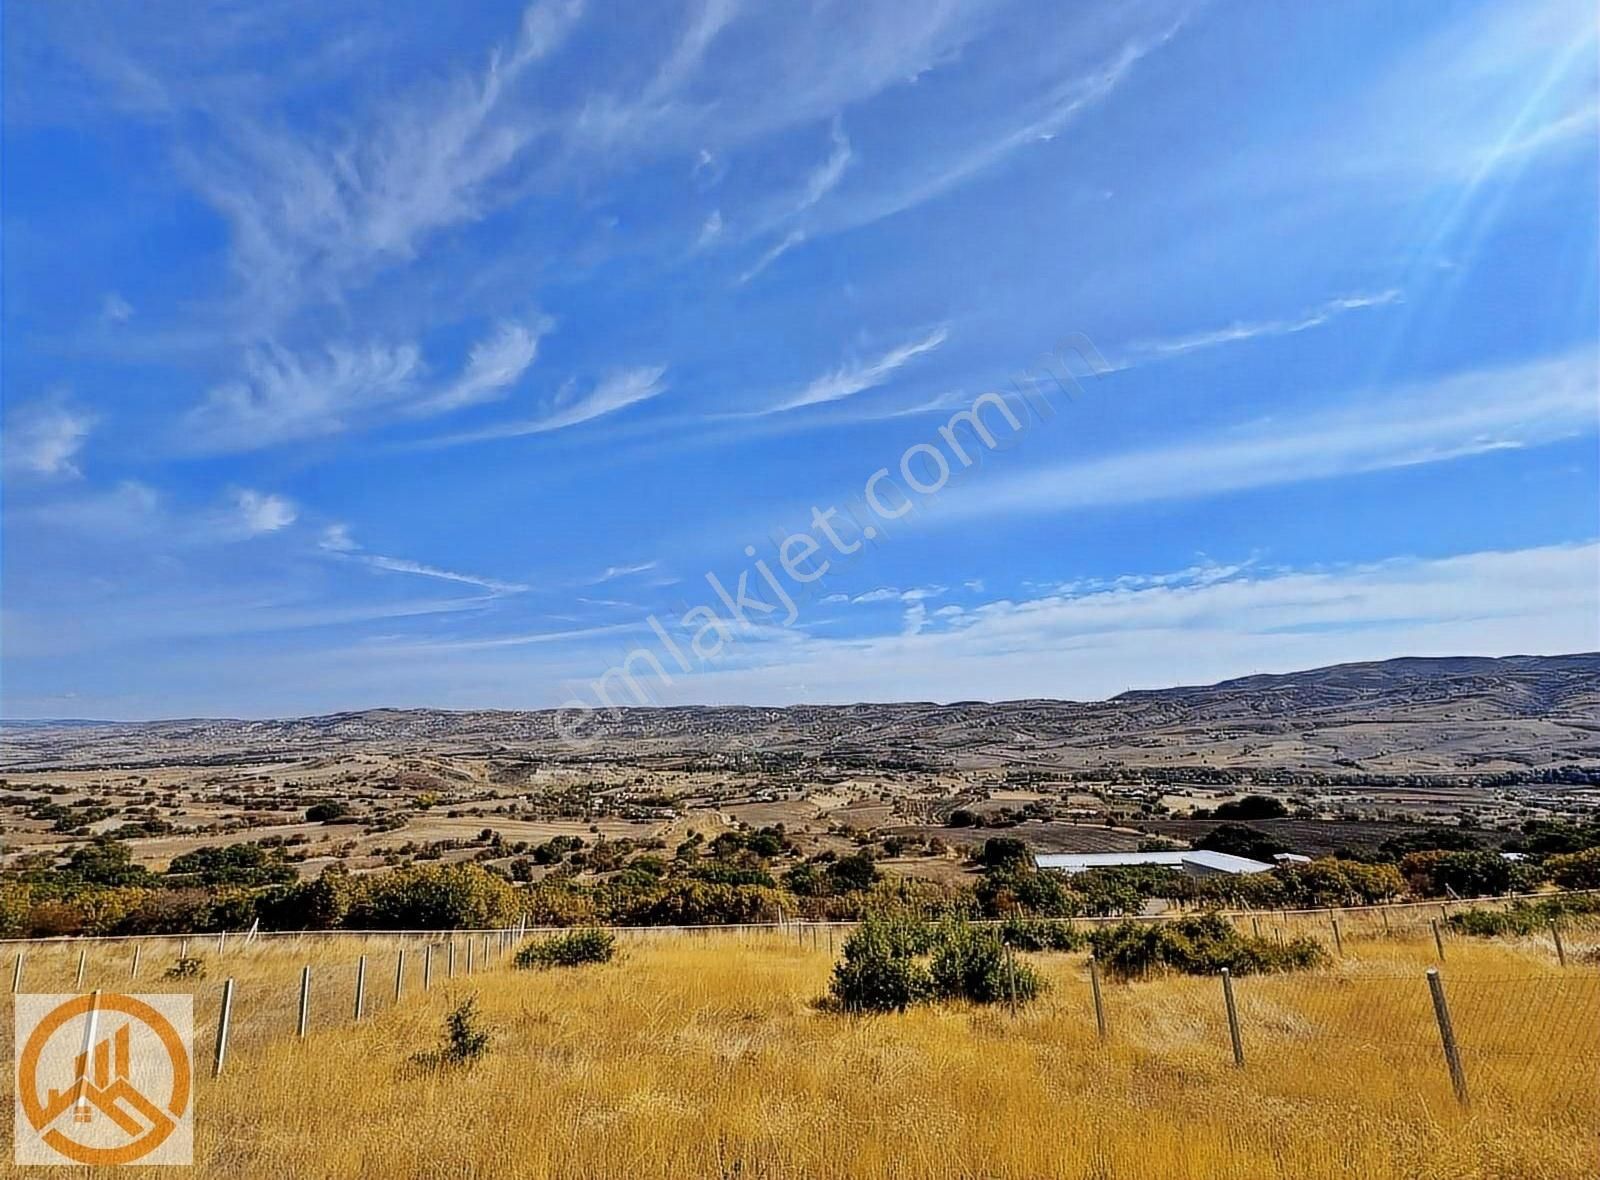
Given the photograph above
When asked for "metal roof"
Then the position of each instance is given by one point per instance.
(1217, 862)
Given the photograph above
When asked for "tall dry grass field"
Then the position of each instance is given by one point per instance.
(707, 1057)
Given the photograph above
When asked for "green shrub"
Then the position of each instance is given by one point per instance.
(881, 969)
(893, 960)
(571, 948)
(187, 967)
(1041, 934)
(1521, 917)
(1201, 944)
(973, 964)
(465, 1039)
(1576, 870)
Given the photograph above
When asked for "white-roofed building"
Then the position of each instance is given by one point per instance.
(1196, 862)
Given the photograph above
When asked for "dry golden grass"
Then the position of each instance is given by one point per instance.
(697, 1057)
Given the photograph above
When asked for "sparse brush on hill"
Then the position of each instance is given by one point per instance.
(1201, 944)
(571, 948)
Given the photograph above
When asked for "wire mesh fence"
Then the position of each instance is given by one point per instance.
(1526, 1030)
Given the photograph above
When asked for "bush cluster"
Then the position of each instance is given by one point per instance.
(893, 960)
(570, 948)
(1041, 934)
(1200, 944)
(1521, 917)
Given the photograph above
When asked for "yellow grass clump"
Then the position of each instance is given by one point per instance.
(691, 1057)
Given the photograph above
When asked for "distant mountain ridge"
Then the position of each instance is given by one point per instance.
(1443, 713)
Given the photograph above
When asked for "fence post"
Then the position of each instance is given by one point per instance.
(469, 954)
(1099, 1004)
(1338, 939)
(450, 961)
(16, 974)
(224, 1020)
(1438, 938)
(1255, 925)
(1447, 1034)
(83, 958)
(427, 966)
(399, 973)
(222, 941)
(1561, 951)
(183, 949)
(361, 984)
(133, 972)
(1233, 1018)
(305, 1002)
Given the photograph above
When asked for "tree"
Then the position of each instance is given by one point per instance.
(1004, 852)
(327, 812)
(1576, 870)
(1251, 807)
(1241, 840)
(104, 861)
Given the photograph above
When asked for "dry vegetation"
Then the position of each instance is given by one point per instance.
(707, 1057)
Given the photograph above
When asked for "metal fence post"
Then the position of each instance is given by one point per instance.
(361, 984)
(1438, 938)
(399, 973)
(1561, 951)
(1447, 1034)
(224, 1020)
(469, 954)
(427, 966)
(16, 974)
(1338, 939)
(305, 1001)
(83, 959)
(450, 961)
(1233, 1018)
(133, 972)
(1099, 1003)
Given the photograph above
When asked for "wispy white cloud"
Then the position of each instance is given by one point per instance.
(774, 252)
(1251, 329)
(337, 541)
(1518, 405)
(1175, 631)
(401, 565)
(849, 380)
(263, 512)
(311, 218)
(1050, 116)
(614, 392)
(827, 175)
(114, 309)
(282, 397)
(613, 572)
(43, 438)
(890, 594)
(336, 538)
(710, 229)
(493, 367)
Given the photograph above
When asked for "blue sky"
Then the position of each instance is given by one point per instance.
(364, 355)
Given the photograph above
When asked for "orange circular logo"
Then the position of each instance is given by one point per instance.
(102, 1080)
